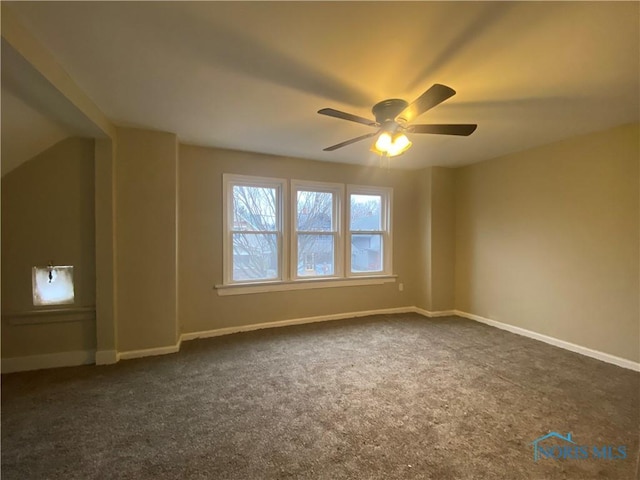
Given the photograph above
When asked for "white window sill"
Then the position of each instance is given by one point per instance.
(263, 287)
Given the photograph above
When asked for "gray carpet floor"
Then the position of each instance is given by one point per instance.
(382, 397)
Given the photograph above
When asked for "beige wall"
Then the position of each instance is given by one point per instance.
(423, 233)
(435, 220)
(48, 215)
(548, 240)
(106, 274)
(200, 262)
(442, 239)
(146, 239)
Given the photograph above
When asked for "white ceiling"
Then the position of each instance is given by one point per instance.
(252, 75)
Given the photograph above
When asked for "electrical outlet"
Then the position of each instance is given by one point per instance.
(401, 286)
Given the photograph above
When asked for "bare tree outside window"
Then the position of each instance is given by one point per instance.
(255, 233)
(315, 225)
(366, 212)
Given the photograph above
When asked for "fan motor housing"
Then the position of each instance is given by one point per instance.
(388, 110)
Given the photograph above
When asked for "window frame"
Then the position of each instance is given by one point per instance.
(231, 180)
(287, 236)
(337, 190)
(386, 209)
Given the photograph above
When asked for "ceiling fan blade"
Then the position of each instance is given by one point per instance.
(349, 142)
(460, 129)
(348, 116)
(429, 99)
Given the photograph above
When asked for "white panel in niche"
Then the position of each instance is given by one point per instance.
(53, 285)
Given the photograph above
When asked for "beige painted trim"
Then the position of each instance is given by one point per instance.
(105, 245)
(49, 311)
(572, 347)
(107, 357)
(294, 321)
(51, 315)
(50, 360)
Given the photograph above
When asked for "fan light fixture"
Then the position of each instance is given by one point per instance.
(395, 116)
(391, 146)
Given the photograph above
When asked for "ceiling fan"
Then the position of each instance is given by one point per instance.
(393, 119)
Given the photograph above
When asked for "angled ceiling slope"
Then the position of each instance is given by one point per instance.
(36, 114)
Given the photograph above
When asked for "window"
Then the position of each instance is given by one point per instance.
(369, 230)
(254, 229)
(316, 240)
(315, 234)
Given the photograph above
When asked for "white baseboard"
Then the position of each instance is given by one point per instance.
(598, 355)
(278, 323)
(294, 321)
(149, 352)
(439, 313)
(106, 357)
(49, 360)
